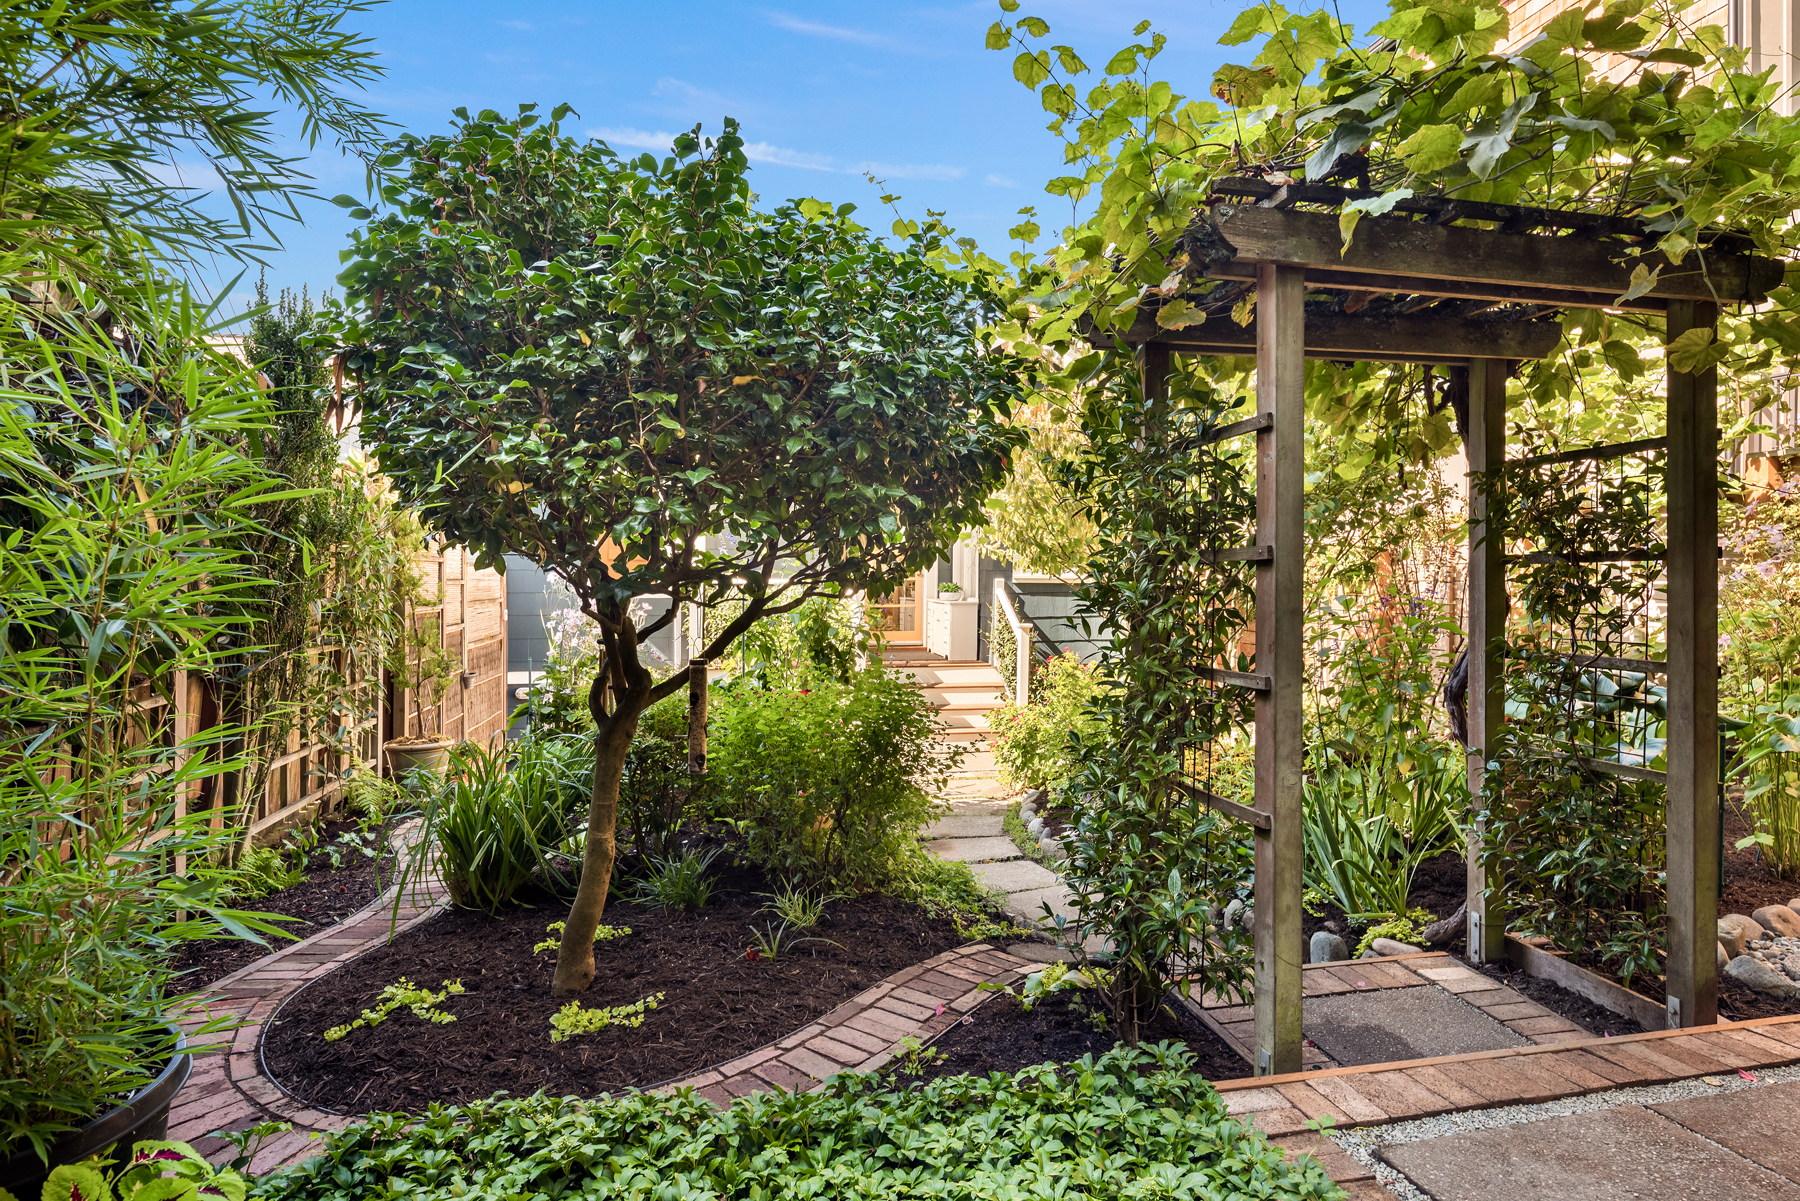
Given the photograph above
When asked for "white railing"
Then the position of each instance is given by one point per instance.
(1022, 636)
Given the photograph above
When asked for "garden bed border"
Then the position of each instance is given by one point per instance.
(1545, 965)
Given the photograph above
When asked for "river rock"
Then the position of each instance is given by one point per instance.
(1779, 920)
(1053, 848)
(1027, 810)
(1035, 827)
(1723, 957)
(1327, 947)
(1754, 973)
(1736, 931)
(1388, 946)
(1234, 912)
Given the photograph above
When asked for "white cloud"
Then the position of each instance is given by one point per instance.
(660, 141)
(780, 156)
(639, 139)
(521, 26)
(686, 100)
(836, 33)
(938, 171)
(1000, 181)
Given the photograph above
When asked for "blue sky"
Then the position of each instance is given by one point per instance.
(823, 92)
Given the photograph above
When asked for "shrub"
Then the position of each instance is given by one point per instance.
(678, 882)
(1147, 1126)
(1769, 760)
(826, 783)
(656, 793)
(1031, 743)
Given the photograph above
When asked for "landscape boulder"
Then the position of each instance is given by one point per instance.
(1386, 946)
(1736, 931)
(1448, 930)
(1754, 973)
(1327, 947)
(1779, 920)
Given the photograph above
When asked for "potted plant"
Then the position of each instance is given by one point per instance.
(426, 667)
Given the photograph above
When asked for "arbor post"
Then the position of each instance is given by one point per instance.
(1486, 705)
(696, 717)
(1280, 525)
(1693, 673)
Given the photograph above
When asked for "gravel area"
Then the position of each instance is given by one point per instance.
(1362, 1144)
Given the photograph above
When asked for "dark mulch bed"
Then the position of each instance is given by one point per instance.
(1440, 885)
(1596, 1019)
(1003, 1037)
(717, 1005)
(1749, 884)
(326, 897)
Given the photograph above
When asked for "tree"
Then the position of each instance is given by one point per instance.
(104, 95)
(623, 371)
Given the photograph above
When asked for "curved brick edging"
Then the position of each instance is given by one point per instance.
(229, 1090)
(864, 1033)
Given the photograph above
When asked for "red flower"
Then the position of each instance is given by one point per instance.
(752, 955)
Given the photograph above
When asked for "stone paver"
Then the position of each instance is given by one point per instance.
(1019, 875)
(1386, 1025)
(964, 826)
(973, 850)
(1758, 1124)
(1628, 1152)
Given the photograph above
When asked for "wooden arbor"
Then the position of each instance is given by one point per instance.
(1414, 287)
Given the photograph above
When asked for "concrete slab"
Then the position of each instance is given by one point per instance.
(1030, 903)
(1020, 875)
(1385, 1025)
(972, 850)
(1757, 1123)
(1600, 1156)
(963, 826)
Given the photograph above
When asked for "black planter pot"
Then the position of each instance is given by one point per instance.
(144, 1116)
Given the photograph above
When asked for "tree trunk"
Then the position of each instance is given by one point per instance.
(629, 684)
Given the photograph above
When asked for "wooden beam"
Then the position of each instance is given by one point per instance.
(1392, 337)
(1693, 678)
(1376, 283)
(1280, 524)
(1486, 704)
(1418, 248)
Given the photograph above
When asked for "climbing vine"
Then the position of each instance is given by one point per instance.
(1149, 863)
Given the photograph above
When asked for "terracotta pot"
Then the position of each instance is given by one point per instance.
(144, 1116)
(405, 757)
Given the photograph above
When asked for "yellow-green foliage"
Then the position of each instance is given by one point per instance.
(1401, 929)
(603, 934)
(422, 1001)
(572, 1019)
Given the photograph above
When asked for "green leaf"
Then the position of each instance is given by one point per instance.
(1037, 27)
(1696, 350)
(998, 36)
(1347, 138)
(1564, 29)
(1009, 6)
(1432, 148)
(1243, 87)
(1032, 69)
(1178, 314)
(1124, 62)
(76, 1182)
(1643, 278)
(1070, 61)
(1250, 22)
(1614, 32)
(1474, 93)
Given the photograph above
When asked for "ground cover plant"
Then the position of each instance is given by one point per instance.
(608, 364)
(1130, 1123)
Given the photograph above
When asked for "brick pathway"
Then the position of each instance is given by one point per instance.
(229, 1089)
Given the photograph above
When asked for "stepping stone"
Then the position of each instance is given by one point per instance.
(1020, 875)
(1757, 1123)
(1385, 1025)
(965, 827)
(1600, 1156)
(972, 850)
(1029, 905)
